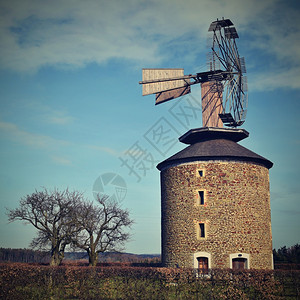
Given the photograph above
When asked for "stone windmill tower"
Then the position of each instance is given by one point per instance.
(215, 199)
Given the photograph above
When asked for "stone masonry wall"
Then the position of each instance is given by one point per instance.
(236, 213)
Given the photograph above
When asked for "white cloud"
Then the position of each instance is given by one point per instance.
(61, 160)
(45, 113)
(59, 118)
(13, 132)
(107, 150)
(278, 33)
(72, 34)
(91, 31)
(271, 79)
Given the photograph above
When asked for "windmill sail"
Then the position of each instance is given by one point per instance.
(172, 94)
(167, 84)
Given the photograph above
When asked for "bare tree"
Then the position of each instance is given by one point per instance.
(52, 213)
(102, 227)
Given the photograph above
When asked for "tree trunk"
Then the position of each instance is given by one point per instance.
(56, 258)
(93, 257)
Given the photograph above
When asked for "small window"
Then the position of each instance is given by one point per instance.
(202, 265)
(201, 197)
(201, 230)
(201, 173)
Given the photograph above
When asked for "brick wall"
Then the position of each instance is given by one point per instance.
(236, 213)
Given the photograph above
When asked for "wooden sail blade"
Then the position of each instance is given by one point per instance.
(159, 75)
(172, 94)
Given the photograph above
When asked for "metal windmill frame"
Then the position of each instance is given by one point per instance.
(226, 95)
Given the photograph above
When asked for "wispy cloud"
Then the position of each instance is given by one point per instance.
(13, 132)
(59, 118)
(271, 79)
(286, 194)
(289, 212)
(107, 150)
(35, 34)
(61, 160)
(47, 114)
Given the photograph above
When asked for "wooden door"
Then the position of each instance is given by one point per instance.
(239, 264)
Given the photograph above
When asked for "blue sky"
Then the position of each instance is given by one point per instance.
(71, 108)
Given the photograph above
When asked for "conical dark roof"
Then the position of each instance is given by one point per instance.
(214, 144)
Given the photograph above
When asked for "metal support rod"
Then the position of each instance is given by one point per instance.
(167, 79)
(199, 77)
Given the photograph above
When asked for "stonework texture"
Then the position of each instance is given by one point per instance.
(236, 213)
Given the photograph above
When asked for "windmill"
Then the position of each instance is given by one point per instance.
(223, 86)
(211, 189)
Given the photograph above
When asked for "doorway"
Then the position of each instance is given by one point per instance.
(239, 264)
